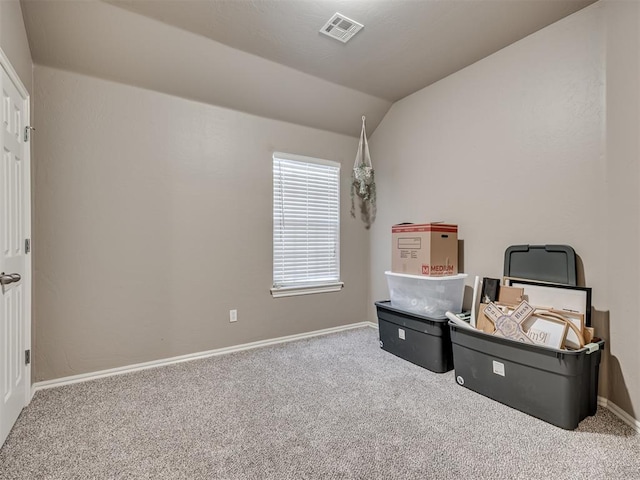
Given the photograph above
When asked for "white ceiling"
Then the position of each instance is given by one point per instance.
(267, 57)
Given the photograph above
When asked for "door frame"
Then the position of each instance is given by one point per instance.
(27, 281)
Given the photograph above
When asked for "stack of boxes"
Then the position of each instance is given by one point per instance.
(423, 285)
(424, 275)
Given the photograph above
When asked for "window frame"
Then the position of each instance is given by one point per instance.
(333, 285)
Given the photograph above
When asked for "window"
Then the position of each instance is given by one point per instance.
(306, 225)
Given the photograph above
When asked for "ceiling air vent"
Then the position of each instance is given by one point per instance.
(341, 28)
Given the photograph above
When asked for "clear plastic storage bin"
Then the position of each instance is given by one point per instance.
(428, 296)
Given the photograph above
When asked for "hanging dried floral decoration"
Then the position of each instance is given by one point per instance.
(363, 183)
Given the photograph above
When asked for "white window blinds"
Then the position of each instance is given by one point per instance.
(306, 224)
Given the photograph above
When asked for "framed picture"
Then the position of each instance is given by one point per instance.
(576, 319)
(546, 331)
(554, 296)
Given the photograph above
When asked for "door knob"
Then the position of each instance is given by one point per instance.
(6, 279)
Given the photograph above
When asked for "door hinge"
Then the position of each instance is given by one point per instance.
(27, 357)
(27, 131)
(27, 245)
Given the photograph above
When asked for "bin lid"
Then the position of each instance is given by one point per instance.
(427, 278)
(547, 263)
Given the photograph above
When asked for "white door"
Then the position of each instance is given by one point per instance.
(15, 275)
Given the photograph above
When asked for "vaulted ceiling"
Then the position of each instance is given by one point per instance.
(267, 57)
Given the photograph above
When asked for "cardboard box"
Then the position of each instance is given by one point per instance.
(425, 249)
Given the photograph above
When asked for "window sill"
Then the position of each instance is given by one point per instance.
(293, 291)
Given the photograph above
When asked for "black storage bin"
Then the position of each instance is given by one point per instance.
(421, 340)
(557, 386)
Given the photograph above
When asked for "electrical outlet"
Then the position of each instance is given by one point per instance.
(233, 315)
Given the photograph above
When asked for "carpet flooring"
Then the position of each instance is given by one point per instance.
(331, 407)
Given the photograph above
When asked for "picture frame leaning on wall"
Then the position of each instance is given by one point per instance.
(572, 302)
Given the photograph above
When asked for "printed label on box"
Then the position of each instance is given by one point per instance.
(442, 270)
(409, 243)
(439, 270)
(498, 368)
(401, 333)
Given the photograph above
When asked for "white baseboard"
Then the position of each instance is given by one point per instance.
(373, 325)
(85, 377)
(620, 413)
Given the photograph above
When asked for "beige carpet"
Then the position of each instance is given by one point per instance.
(330, 407)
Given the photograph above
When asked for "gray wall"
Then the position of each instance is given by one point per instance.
(153, 219)
(519, 148)
(621, 182)
(13, 40)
